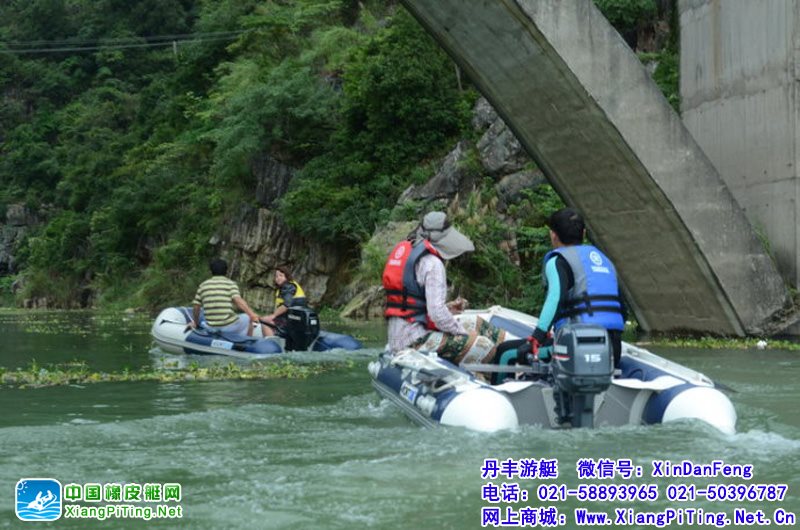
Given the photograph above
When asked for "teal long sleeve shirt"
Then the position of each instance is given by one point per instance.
(553, 297)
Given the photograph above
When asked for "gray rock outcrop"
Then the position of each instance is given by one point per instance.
(455, 174)
(500, 151)
(499, 156)
(511, 188)
(19, 220)
(257, 241)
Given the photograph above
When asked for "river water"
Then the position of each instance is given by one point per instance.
(326, 452)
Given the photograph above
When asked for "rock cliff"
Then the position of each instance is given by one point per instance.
(257, 240)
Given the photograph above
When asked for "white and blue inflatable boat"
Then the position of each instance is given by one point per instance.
(172, 335)
(578, 388)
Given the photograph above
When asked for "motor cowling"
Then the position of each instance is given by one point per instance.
(582, 360)
(302, 328)
(582, 366)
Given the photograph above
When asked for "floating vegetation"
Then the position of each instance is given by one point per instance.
(717, 343)
(78, 372)
(83, 323)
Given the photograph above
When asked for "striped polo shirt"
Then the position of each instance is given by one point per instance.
(216, 296)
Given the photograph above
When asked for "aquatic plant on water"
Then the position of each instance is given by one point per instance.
(78, 372)
(718, 343)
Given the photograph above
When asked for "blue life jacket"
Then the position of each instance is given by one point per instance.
(594, 299)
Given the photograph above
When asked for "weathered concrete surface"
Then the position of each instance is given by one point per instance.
(739, 97)
(586, 110)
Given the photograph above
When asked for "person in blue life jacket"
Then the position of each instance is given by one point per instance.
(582, 287)
(288, 293)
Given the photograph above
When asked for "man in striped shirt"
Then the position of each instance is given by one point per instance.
(218, 296)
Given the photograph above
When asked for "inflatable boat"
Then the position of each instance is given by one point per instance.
(577, 388)
(170, 331)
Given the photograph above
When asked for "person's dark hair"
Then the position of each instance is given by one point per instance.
(568, 225)
(286, 270)
(219, 267)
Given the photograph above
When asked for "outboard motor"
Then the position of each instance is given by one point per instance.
(582, 367)
(302, 328)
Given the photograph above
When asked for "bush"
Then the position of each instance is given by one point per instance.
(486, 276)
(667, 77)
(6, 293)
(173, 278)
(62, 245)
(400, 105)
(625, 15)
(489, 276)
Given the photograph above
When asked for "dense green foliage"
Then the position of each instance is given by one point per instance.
(626, 14)
(491, 274)
(132, 127)
(666, 74)
(399, 104)
(667, 60)
(136, 151)
(105, 138)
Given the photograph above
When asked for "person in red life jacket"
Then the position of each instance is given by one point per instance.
(581, 284)
(415, 281)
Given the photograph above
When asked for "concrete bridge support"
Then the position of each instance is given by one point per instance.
(587, 111)
(739, 71)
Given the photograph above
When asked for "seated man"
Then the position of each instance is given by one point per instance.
(415, 281)
(581, 285)
(218, 296)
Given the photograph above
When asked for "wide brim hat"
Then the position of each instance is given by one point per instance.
(448, 242)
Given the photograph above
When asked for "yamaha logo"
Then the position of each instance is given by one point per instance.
(399, 252)
(595, 257)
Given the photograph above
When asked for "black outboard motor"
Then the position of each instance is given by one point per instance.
(302, 328)
(582, 367)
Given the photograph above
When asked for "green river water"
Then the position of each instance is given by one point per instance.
(327, 452)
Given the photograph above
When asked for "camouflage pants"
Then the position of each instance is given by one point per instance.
(478, 346)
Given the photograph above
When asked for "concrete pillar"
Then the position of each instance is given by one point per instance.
(739, 64)
(586, 110)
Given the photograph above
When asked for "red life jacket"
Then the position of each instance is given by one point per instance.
(405, 298)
